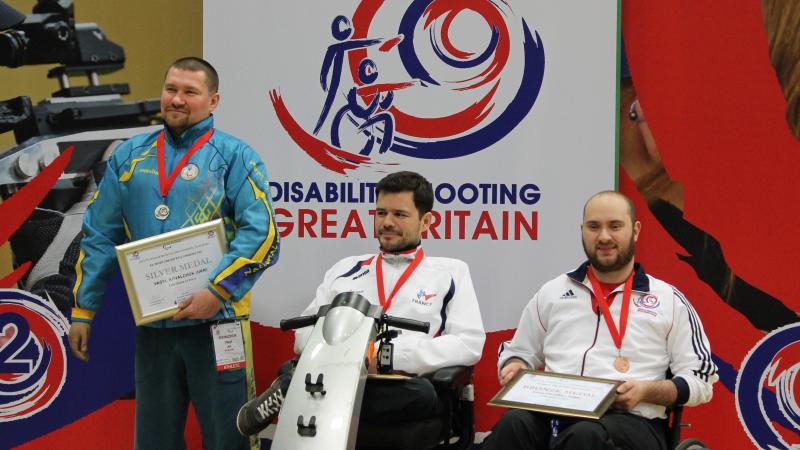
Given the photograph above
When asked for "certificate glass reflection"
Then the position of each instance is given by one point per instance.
(559, 394)
(162, 271)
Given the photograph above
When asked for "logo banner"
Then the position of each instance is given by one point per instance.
(507, 107)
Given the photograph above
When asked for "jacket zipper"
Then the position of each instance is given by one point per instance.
(596, 331)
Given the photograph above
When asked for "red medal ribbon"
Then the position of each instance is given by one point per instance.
(386, 303)
(617, 335)
(164, 183)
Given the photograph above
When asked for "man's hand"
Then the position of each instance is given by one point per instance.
(79, 333)
(633, 392)
(511, 368)
(201, 305)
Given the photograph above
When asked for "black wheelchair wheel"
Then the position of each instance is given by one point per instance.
(691, 444)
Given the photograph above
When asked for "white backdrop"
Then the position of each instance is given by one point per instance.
(563, 144)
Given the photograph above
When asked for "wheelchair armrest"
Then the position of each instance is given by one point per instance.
(452, 377)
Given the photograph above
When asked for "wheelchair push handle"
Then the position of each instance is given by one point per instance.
(407, 324)
(298, 322)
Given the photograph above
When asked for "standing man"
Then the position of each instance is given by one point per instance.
(409, 284)
(608, 319)
(186, 174)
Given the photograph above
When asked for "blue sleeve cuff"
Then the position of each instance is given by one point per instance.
(683, 390)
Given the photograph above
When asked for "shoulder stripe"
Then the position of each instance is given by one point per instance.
(707, 367)
(125, 177)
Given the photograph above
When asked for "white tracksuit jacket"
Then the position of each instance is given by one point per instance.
(560, 331)
(439, 291)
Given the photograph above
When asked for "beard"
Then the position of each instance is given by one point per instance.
(624, 257)
(404, 243)
(176, 121)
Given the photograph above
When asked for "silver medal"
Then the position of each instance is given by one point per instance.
(161, 212)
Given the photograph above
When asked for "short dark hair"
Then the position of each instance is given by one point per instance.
(409, 182)
(631, 207)
(195, 64)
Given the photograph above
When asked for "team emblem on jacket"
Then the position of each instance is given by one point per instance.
(423, 298)
(647, 304)
(190, 172)
(648, 301)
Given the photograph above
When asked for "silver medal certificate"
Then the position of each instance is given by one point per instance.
(162, 271)
(559, 394)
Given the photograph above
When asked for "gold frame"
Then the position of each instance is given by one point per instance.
(598, 412)
(172, 236)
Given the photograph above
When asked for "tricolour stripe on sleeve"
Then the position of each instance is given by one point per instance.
(443, 313)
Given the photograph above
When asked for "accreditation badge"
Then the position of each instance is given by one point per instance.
(228, 346)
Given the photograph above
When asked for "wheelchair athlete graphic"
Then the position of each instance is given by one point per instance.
(371, 119)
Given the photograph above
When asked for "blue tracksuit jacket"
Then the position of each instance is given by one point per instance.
(230, 182)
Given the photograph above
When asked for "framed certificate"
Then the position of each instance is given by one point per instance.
(162, 271)
(559, 394)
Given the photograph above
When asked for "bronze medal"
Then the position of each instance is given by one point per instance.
(622, 364)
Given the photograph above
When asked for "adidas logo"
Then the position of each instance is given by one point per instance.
(568, 294)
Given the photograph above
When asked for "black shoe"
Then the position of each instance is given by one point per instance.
(256, 414)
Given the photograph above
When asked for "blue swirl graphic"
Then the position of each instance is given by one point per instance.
(750, 394)
(517, 109)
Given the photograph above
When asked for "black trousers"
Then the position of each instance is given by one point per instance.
(526, 430)
(394, 401)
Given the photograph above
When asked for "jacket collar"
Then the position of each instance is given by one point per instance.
(405, 256)
(191, 134)
(640, 281)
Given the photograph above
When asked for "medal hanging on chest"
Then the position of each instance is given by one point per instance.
(621, 363)
(165, 183)
(161, 212)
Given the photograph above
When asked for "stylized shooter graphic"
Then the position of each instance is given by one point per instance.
(342, 29)
(378, 96)
(451, 135)
(32, 354)
(768, 389)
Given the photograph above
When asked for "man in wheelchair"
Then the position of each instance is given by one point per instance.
(408, 284)
(608, 319)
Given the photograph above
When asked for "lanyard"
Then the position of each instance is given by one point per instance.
(164, 183)
(617, 335)
(386, 303)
